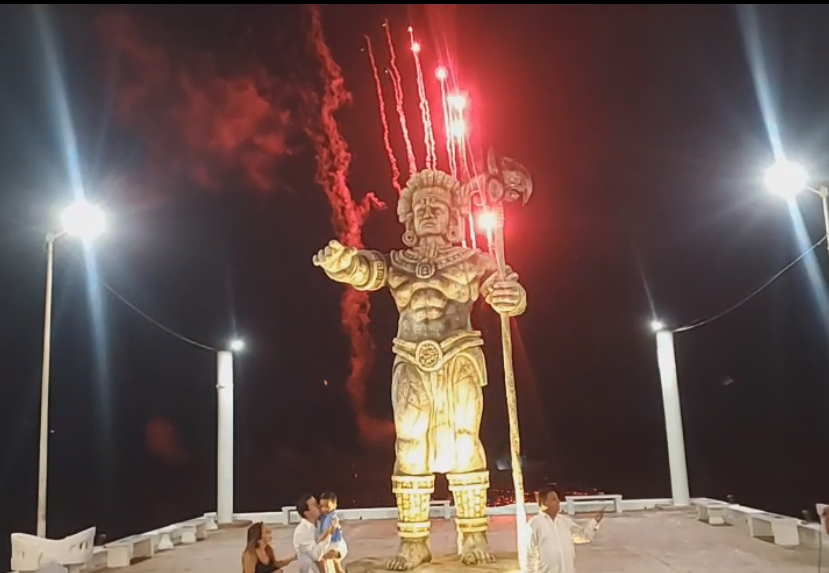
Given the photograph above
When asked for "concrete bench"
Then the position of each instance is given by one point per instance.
(737, 515)
(211, 521)
(189, 533)
(780, 527)
(711, 511)
(172, 535)
(30, 553)
(822, 511)
(813, 536)
(98, 561)
(600, 500)
(194, 530)
(122, 552)
(287, 514)
(443, 507)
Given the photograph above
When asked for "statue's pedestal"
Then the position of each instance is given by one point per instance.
(505, 563)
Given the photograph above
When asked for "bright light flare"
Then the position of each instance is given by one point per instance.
(237, 345)
(441, 73)
(657, 325)
(83, 220)
(488, 221)
(416, 47)
(457, 102)
(786, 178)
(457, 128)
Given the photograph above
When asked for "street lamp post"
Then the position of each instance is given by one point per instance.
(224, 445)
(787, 179)
(78, 220)
(673, 414)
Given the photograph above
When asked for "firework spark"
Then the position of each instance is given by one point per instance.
(395, 170)
(397, 84)
(425, 113)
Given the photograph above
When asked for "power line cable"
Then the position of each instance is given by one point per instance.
(764, 286)
(146, 316)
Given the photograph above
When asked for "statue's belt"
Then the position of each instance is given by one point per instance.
(430, 355)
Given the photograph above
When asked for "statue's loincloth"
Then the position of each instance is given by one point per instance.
(441, 365)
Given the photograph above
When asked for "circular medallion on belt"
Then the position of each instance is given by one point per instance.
(425, 269)
(428, 354)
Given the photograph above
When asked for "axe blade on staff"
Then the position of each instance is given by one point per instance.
(506, 181)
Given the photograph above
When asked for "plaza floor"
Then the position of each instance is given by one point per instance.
(667, 541)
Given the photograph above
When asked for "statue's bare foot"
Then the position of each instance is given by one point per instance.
(475, 549)
(412, 552)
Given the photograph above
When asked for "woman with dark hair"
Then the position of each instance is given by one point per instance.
(258, 556)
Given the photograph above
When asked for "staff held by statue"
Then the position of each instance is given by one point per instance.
(505, 181)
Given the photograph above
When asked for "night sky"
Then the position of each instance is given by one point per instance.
(647, 130)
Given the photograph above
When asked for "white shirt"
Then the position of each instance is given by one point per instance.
(551, 547)
(308, 550)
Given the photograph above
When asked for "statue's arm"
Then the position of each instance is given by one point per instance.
(368, 271)
(489, 276)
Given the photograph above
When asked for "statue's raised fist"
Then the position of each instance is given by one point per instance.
(335, 257)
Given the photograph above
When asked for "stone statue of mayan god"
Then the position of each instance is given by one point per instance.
(439, 367)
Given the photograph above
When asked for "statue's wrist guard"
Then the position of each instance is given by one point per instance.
(413, 493)
(366, 272)
(469, 491)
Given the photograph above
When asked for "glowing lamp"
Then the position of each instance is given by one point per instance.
(237, 345)
(457, 102)
(657, 325)
(786, 178)
(488, 221)
(457, 128)
(416, 47)
(441, 73)
(83, 220)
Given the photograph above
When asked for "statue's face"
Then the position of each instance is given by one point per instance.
(431, 212)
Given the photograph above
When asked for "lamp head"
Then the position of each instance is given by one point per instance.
(236, 345)
(83, 220)
(657, 325)
(786, 178)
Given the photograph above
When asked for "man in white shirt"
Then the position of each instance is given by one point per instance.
(309, 549)
(551, 547)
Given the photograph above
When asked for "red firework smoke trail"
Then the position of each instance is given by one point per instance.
(397, 83)
(425, 113)
(334, 162)
(395, 170)
(217, 127)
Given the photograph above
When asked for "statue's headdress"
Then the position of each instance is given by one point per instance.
(455, 198)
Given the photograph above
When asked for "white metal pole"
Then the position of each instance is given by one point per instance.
(673, 418)
(224, 386)
(44, 390)
(824, 197)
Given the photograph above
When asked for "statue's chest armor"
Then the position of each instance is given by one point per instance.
(451, 272)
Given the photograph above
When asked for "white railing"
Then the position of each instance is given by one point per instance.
(121, 552)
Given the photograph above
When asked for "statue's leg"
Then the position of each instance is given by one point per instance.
(469, 482)
(412, 482)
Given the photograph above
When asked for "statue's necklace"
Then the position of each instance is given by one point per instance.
(425, 267)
